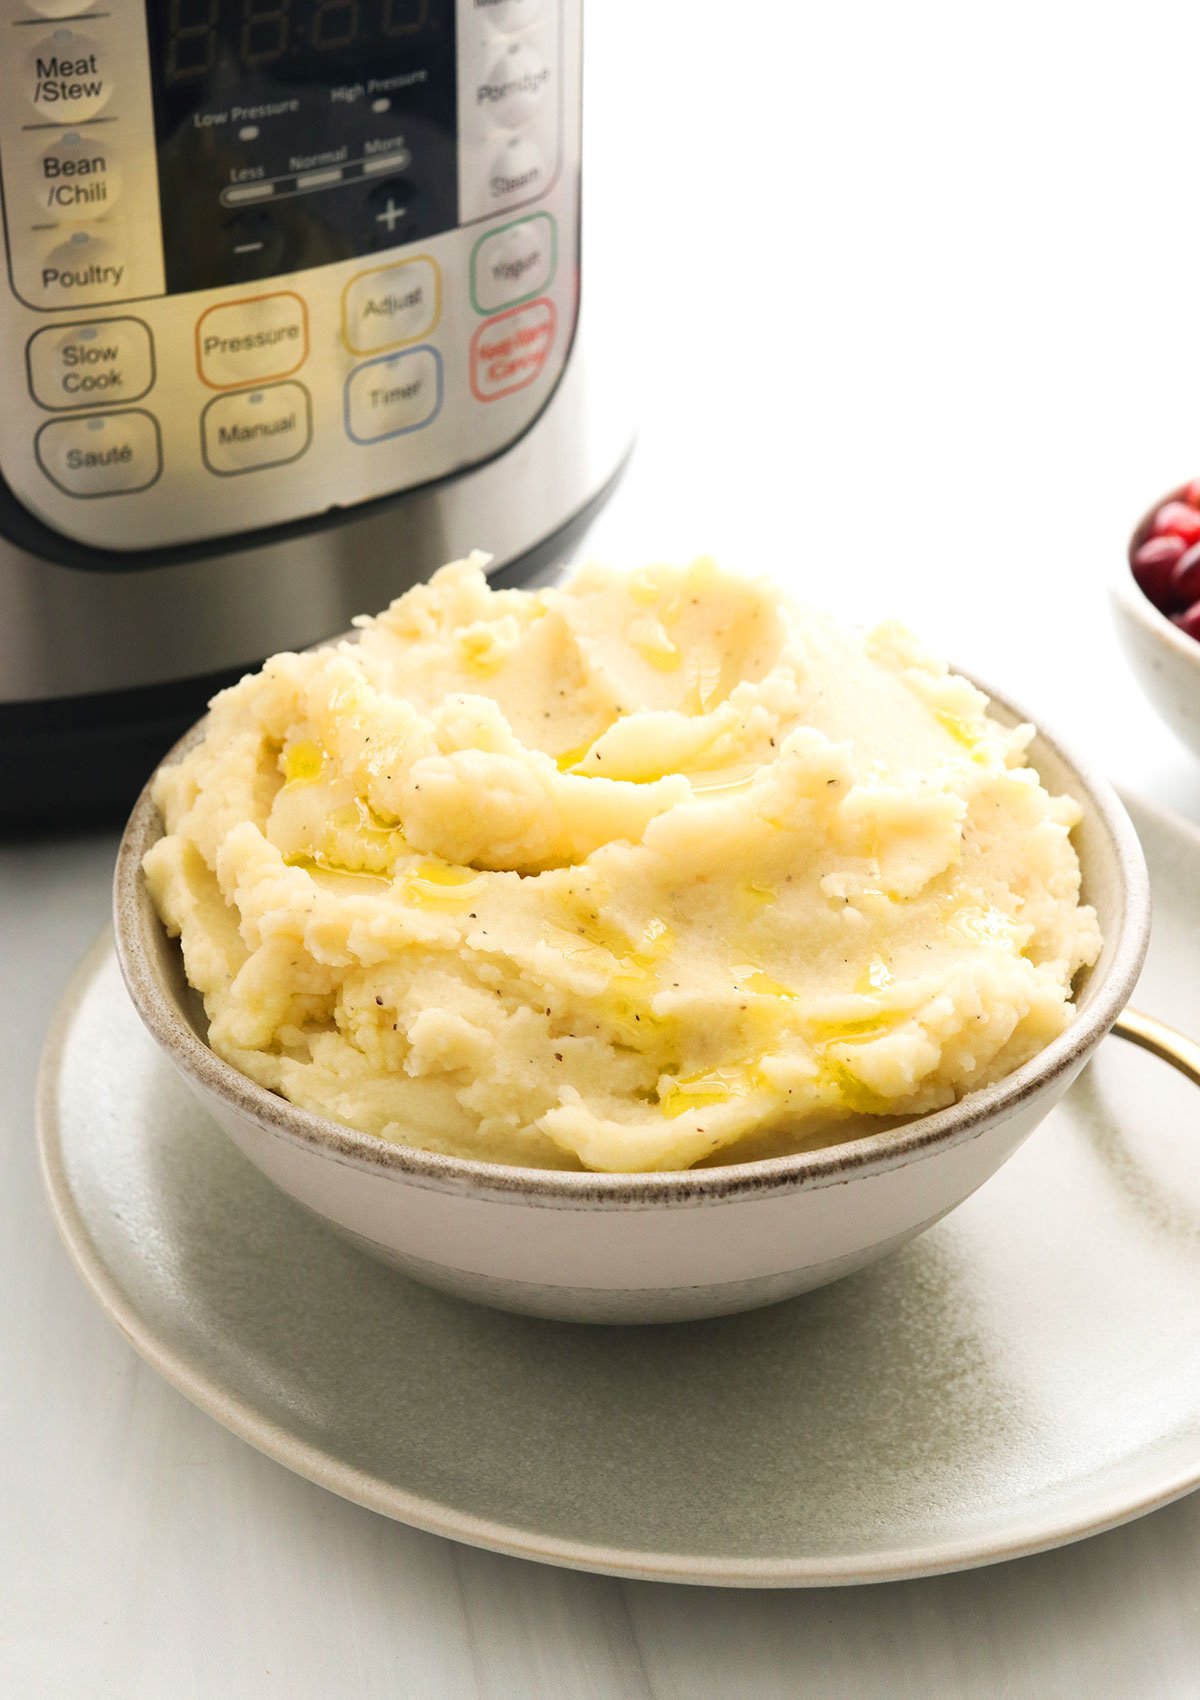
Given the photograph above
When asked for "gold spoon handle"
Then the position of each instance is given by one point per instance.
(1164, 1041)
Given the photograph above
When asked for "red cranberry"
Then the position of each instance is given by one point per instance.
(1189, 622)
(1183, 584)
(1177, 519)
(1191, 493)
(1154, 563)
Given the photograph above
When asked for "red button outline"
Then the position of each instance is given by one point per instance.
(508, 313)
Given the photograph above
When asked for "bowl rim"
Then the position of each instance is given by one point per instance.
(134, 917)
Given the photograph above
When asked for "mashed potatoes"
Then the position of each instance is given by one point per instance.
(642, 871)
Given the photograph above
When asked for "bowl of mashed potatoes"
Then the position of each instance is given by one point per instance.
(644, 948)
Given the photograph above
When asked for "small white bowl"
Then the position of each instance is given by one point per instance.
(1165, 661)
(648, 1247)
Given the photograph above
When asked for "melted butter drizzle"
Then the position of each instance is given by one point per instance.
(314, 863)
(726, 1084)
(633, 968)
(702, 1091)
(355, 830)
(964, 732)
(722, 780)
(651, 640)
(442, 885)
(303, 762)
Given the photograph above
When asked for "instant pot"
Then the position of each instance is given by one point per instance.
(292, 314)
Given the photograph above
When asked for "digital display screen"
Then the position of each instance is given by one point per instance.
(293, 133)
(258, 33)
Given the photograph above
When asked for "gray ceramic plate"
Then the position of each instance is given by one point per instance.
(1023, 1375)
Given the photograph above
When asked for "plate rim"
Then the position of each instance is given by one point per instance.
(238, 1414)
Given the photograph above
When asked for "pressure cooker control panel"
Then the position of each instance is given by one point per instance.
(271, 257)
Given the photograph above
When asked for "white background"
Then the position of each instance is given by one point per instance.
(921, 287)
(916, 289)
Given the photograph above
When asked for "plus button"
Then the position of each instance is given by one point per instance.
(391, 214)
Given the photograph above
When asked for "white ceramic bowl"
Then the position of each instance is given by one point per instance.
(1165, 661)
(648, 1247)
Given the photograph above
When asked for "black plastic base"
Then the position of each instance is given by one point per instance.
(81, 761)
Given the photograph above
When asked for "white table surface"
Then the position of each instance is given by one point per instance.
(919, 299)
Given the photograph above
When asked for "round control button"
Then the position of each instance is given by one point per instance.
(391, 305)
(70, 76)
(513, 263)
(516, 174)
(515, 87)
(251, 429)
(251, 341)
(81, 365)
(82, 269)
(105, 454)
(508, 17)
(394, 395)
(510, 350)
(78, 177)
